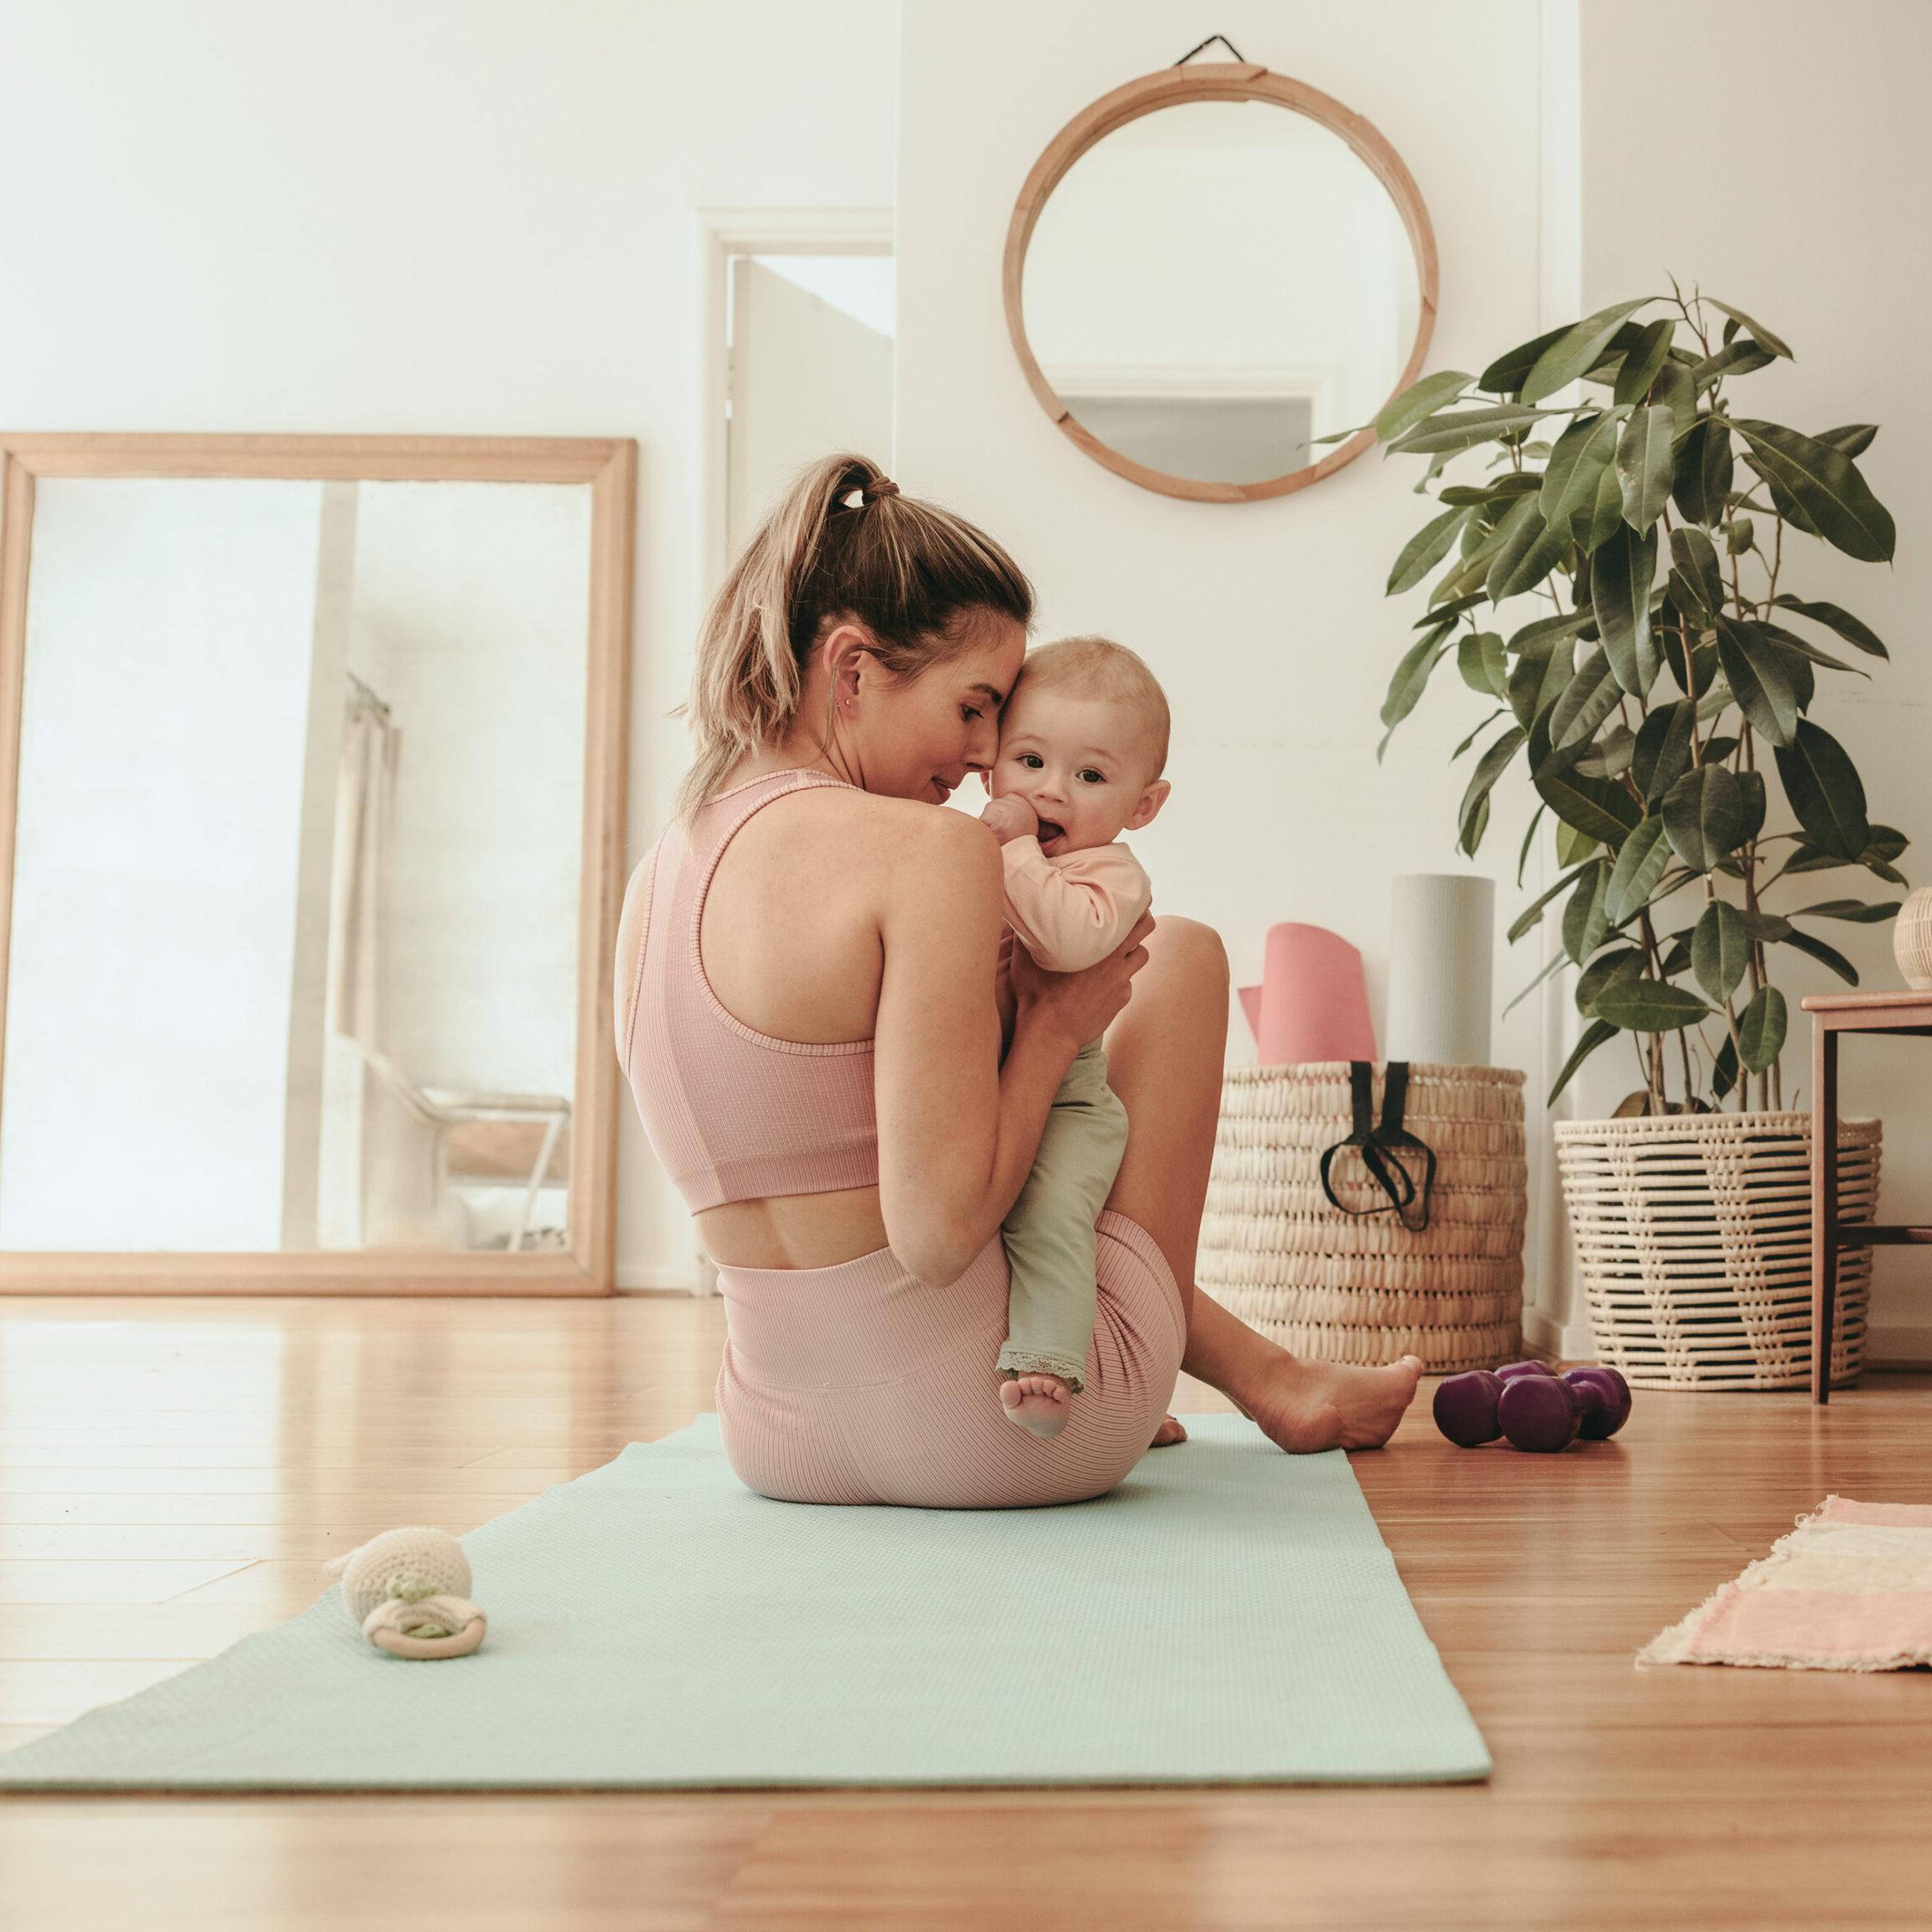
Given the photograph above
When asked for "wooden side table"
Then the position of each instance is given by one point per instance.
(1831, 1014)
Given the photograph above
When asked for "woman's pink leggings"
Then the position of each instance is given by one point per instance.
(857, 1384)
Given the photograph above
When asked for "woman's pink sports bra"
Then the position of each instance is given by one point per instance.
(735, 1114)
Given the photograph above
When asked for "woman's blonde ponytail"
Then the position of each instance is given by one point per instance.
(907, 570)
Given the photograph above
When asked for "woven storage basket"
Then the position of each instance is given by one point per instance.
(1276, 1252)
(1694, 1241)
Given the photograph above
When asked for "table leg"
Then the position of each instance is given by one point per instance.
(1824, 1201)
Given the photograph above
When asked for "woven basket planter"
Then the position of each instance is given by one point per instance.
(1693, 1240)
(1277, 1253)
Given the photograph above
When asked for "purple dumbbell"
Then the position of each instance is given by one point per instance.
(1540, 1413)
(1606, 1398)
(1466, 1408)
(1511, 1370)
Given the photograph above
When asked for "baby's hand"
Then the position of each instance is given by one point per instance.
(1008, 818)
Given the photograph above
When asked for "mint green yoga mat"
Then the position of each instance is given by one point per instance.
(1227, 1614)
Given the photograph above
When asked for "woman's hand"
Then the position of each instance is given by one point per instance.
(1080, 1005)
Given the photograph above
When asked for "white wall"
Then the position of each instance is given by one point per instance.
(422, 216)
(1266, 622)
(1795, 187)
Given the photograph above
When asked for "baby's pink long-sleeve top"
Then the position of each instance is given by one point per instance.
(1070, 911)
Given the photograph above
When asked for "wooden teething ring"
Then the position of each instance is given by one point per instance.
(458, 1643)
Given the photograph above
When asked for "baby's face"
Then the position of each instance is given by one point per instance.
(1083, 765)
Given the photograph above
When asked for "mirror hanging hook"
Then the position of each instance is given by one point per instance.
(1209, 43)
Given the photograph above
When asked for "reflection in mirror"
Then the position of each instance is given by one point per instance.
(1216, 284)
(297, 863)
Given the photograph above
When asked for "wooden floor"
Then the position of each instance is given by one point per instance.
(173, 1473)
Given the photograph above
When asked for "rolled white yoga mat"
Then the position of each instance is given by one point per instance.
(1441, 939)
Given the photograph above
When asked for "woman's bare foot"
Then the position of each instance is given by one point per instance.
(1307, 1406)
(1169, 1433)
(1039, 1404)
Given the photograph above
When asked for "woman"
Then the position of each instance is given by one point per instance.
(806, 1006)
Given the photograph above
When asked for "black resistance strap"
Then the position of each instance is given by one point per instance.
(1380, 1144)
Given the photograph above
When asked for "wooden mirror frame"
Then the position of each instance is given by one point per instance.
(610, 467)
(1213, 80)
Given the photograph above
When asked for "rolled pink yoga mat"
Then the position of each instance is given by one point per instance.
(1313, 1002)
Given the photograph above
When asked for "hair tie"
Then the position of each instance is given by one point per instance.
(884, 486)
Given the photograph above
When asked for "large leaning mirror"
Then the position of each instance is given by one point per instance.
(310, 861)
(1210, 269)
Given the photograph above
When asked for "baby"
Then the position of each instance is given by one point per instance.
(1083, 743)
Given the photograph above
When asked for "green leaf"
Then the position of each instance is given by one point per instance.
(1794, 646)
(1858, 912)
(1833, 619)
(1825, 955)
(1418, 400)
(1702, 815)
(1724, 1070)
(1766, 927)
(1411, 678)
(1737, 358)
(1621, 963)
(1589, 805)
(1621, 574)
(1761, 1028)
(1695, 557)
(1585, 922)
(1662, 755)
(1677, 394)
(1606, 515)
(1797, 666)
(1608, 756)
(1640, 863)
(1826, 484)
(1594, 1035)
(1751, 795)
(1425, 550)
(1649, 353)
(1823, 787)
(1488, 769)
(1538, 679)
(1739, 535)
(1757, 678)
(1465, 428)
(1504, 375)
(1530, 552)
(1758, 329)
(1550, 967)
(1645, 463)
(1720, 950)
(1589, 697)
(1528, 837)
(1572, 846)
(1484, 663)
(1576, 350)
(1702, 473)
(1649, 1006)
(1575, 468)
(1852, 439)
(1532, 914)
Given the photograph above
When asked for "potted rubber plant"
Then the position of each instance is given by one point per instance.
(1654, 681)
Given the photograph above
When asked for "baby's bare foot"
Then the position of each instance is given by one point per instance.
(1307, 1406)
(1039, 1404)
(1169, 1433)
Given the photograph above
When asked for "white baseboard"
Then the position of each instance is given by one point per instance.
(1904, 1345)
(658, 1281)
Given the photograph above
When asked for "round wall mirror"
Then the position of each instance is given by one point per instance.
(1212, 269)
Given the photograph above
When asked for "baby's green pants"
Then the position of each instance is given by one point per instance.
(1049, 1234)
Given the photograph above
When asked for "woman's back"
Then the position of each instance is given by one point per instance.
(749, 963)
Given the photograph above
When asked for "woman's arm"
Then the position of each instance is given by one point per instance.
(957, 1131)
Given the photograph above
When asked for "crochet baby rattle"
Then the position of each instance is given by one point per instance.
(409, 1589)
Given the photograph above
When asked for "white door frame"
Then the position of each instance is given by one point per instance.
(722, 233)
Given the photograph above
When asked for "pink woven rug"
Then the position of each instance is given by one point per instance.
(1849, 1589)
